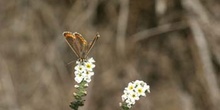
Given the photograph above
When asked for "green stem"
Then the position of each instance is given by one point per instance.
(79, 96)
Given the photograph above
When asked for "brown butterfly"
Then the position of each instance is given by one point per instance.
(78, 44)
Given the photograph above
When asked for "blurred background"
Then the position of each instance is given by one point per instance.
(173, 45)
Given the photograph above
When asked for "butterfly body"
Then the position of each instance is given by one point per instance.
(78, 44)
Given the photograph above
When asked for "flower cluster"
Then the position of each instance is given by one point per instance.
(84, 70)
(133, 92)
(83, 73)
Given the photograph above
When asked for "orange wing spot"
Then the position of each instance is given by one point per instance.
(69, 34)
(80, 37)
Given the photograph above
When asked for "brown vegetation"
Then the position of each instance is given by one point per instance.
(173, 45)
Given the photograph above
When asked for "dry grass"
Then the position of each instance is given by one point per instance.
(171, 44)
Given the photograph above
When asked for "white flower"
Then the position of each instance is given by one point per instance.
(142, 84)
(138, 82)
(130, 101)
(91, 60)
(79, 78)
(80, 68)
(129, 105)
(89, 66)
(130, 87)
(80, 73)
(124, 97)
(89, 73)
(140, 91)
(134, 96)
(87, 79)
(147, 88)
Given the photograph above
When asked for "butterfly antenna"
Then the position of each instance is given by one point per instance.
(70, 62)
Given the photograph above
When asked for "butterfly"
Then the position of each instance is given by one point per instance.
(79, 45)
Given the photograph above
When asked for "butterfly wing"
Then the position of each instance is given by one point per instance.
(83, 45)
(92, 43)
(72, 41)
(78, 44)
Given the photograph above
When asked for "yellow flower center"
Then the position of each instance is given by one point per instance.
(88, 66)
(133, 95)
(131, 87)
(139, 90)
(80, 68)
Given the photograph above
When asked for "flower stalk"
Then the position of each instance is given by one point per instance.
(83, 73)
